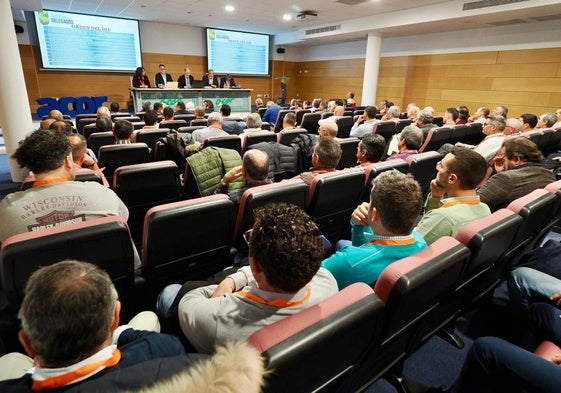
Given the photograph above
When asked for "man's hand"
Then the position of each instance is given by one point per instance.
(499, 163)
(226, 286)
(437, 190)
(460, 144)
(307, 177)
(360, 214)
(232, 174)
(556, 298)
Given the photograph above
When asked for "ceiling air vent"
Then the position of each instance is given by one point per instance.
(325, 29)
(352, 2)
(474, 5)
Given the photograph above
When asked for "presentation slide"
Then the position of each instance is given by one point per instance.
(237, 53)
(84, 42)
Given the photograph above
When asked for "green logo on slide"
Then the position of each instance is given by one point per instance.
(44, 17)
(211, 34)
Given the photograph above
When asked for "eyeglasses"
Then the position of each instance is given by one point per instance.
(247, 235)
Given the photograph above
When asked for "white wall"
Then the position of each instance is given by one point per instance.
(172, 39)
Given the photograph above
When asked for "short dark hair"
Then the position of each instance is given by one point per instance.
(61, 126)
(67, 311)
(374, 145)
(168, 111)
(329, 152)
(287, 243)
(42, 151)
(103, 124)
(161, 65)
(114, 107)
(398, 199)
(371, 111)
(524, 148)
(123, 129)
(469, 166)
(454, 112)
(150, 118)
(180, 105)
(158, 105)
(463, 112)
(225, 110)
(255, 165)
(529, 118)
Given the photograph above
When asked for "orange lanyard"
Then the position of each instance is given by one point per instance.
(39, 183)
(471, 201)
(393, 242)
(276, 302)
(80, 372)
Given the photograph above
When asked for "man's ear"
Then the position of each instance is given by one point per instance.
(26, 344)
(453, 178)
(116, 316)
(69, 161)
(255, 265)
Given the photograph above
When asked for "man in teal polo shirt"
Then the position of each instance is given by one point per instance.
(382, 231)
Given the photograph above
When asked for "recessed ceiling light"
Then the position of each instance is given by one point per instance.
(229, 8)
(287, 17)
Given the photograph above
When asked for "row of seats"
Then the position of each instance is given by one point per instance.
(349, 340)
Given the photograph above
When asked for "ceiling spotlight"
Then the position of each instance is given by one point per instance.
(287, 17)
(229, 8)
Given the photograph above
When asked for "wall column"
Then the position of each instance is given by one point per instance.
(371, 69)
(15, 113)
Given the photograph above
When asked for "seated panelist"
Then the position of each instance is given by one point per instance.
(210, 80)
(227, 82)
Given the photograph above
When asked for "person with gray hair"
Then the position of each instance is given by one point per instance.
(547, 120)
(214, 128)
(328, 129)
(70, 327)
(409, 140)
(253, 126)
(494, 130)
(382, 231)
(425, 121)
(500, 110)
(392, 114)
(103, 111)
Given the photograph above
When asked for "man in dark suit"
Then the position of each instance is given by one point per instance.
(185, 81)
(162, 77)
(210, 79)
(227, 82)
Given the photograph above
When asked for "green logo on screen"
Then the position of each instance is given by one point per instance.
(211, 34)
(44, 17)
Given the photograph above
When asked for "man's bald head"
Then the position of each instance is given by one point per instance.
(256, 164)
(56, 114)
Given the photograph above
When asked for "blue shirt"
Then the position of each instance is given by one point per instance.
(271, 114)
(369, 254)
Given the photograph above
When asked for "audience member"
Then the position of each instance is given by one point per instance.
(392, 113)
(232, 127)
(159, 108)
(382, 231)
(186, 80)
(209, 106)
(70, 327)
(412, 111)
(350, 99)
(168, 113)
(364, 123)
(547, 120)
(529, 121)
(103, 111)
(338, 112)
(162, 78)
(46, 123)
(384, 106)
(62, 126)
(140, 79)
(56, 114)
(150, 120)
(463, 114)
(325, 158)
(328, 129)
(494, 137)
(259, 103)
(500, 110)
(480, 115)
(253, 126)
(425, 121)
(459, 173)
(214, 128)
(519, 172)
(283, 278)
(370, 149)
(409, 140)
(513, 126)
(254, 169)
(54, 199)
(558, 121)
(450, 117)
(114, 107)
(181, 109)
(79, 153)
(103, 124)
(210, 80)
(123, 131)
(227, 82)
(289, 121)
(272, 112)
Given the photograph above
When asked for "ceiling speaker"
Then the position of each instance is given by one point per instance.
(281, 50)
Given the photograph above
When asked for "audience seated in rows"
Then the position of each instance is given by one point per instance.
(459, 173)
(382, 231)
(54, 199)
(283, 277)
(519, 172)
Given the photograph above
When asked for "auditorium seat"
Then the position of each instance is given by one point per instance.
(89, 129)
(423, 168)
(199, 122)
(325, 115)
(285, 137)
(344, 125)
(348, 157)
(300, 114)
(98, 139)
(187, 240)
(348, 112)
(82, 122)
(438, 120)
(261, 111)
(83, 174)
(280, 117)
(186, 117)
(138, 125)
(310, 122)
(436, 138)
(401, 124)
(293, 191)
(374, 170)
(385, 128)
(313, 350)
(105, 242)
(143, 186)
(132, 119)
(120, 115)
(474, 134)
(173, 124)
(151, 136)
(358, 112)
(189, 129)
(114, 156)
(258, 137)
(554, 143)
(266, 126)
(414, 290)
(233, 142)
(333, 198)
(459, 133)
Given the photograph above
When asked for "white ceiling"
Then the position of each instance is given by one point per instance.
(267, 16)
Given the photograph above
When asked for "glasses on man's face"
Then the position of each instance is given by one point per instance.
(247, 235)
